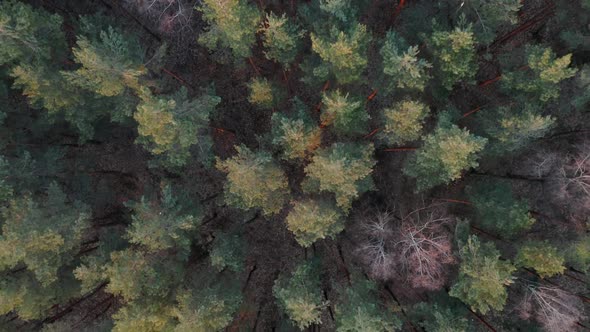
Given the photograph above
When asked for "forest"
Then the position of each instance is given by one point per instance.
(283, 165)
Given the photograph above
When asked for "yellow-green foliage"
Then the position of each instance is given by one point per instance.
(542, 257)
(261, 93)
(297, 137)
(578, 254)
(402, 65)
(282, 39)
(314, 219)
(346, 116)
(404, 121)
(454, 52)
(254, 180)
(343, 169)
(154, 316)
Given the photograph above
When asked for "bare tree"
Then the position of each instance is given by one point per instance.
(170, 16)
(555, 309)
(373, 250)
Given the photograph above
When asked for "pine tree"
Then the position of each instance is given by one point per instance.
(281, 38)
(297, 137)
(232, 24)
(29, 35)
(343, 53)
(511, 129)
(254, 180)
(498, 210)
(403, 122)
(163, 225)
(345, 116)
(169, 126)
(314, 219)
(44, 236)
(542, 257)
(343, 169)
(541, 80)
(582, 98)
(437, 318)
(209, 307)
(482, 277)
(578, 254)
(263, 94)
(401, 64)
(344, 10)
(454, 54)
(445, 155)
(6, 189)
(359, 310)
(299, 295)
(228, 252)
(491, 15)
(142, 316)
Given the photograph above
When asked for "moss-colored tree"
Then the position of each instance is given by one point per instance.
(498, 210)
(439, 318)
(228, 252)
(578, 254)
(281, 38)
(263, 94)
(345, 116)
(454, 55)
(359, 310)
(343, 53)
(232, 24)
(343, 169)
(254, 180)
(541, 80)
(542, 257)
(403, 122)
(401, 64)
(143, 316)
(483, 277)
(490, 16)
(446, 153)
(314, 219)
(297, 137)
(300, 296)
(344, 10)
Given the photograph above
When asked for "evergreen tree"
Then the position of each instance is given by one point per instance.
(281, 38)
(300, 295)
(483, 277)
(541, 80)
(6, 190)
(312, 220)
(498, 210)
(454, 55)
(254, 180)
(359, 310)
(232, 24)
(346, 116)
(169, 126)
(163, 225)
(578, 254)
(490, 15)
(445, 155)
(401, 64)
(340, 9)
(582, 98)
(343, 53)
(403, 122)
(143, 316)
(44, 236)
(228, 251)
(297, 137)
(437, 318)
(263, 94)
(542, 257)
(343, 169)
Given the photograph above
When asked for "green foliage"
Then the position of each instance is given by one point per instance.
(312, 220)
(403, 122)
(153, 316)
(343, 169)
(454, 54)
(483, 277)
(209, 308)
(42, 235)
(341, 9)
(401, 64)
(281, 38)
(109, 64)
(300, 295)
(542, 257)
(498, 210)
(343, 53)
(169, 126)
(232, 24)
(491, 15)
(438, 318)
(578, 254)
(29, 34)
(262, 93)
(512, 129)
(228, 251)
(582, 99)
(445, 155)
(163, 225)
(254, 180)
(346, 116)
(541, 80)
(5, 188)
(297, 137)
(359, 310)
